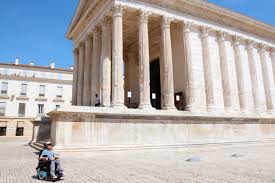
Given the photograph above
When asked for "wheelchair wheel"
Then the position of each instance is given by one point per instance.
(41, 175)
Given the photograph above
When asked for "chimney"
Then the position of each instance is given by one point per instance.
(17, 61)
(52, 65)
(31, 63)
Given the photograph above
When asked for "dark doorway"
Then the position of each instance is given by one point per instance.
(20, 131)
(3, 131)
(155, 84)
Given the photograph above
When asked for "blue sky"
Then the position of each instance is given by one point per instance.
(34, 30)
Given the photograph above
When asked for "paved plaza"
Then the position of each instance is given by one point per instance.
(214, 164)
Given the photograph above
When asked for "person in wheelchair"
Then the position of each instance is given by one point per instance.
(48, 161)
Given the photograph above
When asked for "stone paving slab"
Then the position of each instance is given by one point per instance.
(255, 164)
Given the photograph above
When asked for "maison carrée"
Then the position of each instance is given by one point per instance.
(168, 73)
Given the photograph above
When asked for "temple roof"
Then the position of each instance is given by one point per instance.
(201, 9)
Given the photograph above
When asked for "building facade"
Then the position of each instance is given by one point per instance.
(189, 55)
(28, 93)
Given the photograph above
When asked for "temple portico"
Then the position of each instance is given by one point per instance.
(205, 76)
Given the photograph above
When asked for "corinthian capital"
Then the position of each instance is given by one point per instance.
(117, 10)
(221, 35)
(205, 30)
(187, 25)
(236, 40)
(250, 44)
(166, 21)
(262, 46)
(143, 15)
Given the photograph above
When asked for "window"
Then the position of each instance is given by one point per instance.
(42, 91)
(2, 108)
(40, 109)
(19, 131)
(24, 87)
(21, 110)
(59, 92)
(4, 89)
(3, 131)
(57, 106)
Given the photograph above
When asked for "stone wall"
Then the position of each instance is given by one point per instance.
(127, 129)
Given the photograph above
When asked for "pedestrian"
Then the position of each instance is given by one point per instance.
(97, 104)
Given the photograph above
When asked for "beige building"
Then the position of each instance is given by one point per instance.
(208, 70)
(28, 93)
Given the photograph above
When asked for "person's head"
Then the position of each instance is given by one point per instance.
(49, 145)
(96, 95)
(45, 145)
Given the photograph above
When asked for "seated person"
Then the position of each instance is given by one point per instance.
(48, 155)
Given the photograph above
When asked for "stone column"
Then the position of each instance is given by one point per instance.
(75, 73)
(80, 74)
(253, 75)
(226, 85)
(87, 72)
(167, 64)
(187, 55)
(106, 54)
(272, 53)
(207, 65)
(117, 58)
(239, 71)
(144, 62)
(95, 88)
(267, 80)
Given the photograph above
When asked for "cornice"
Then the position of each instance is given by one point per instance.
(83, 16)
(39, 80)
(37, 68)
(194, 9)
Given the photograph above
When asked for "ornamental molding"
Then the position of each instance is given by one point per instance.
(205, 29)
(187, 25)
(236, 40)
(250, 43)
(118, 10)
(143, 15)
(166, 21)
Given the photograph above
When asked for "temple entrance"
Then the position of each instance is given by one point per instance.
(155, 88)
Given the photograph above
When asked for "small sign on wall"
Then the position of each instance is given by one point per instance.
(154, 96)
(129, 94)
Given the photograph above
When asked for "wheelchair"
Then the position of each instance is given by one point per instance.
(43, 171)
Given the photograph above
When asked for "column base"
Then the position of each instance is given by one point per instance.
(119, 106)
(170, 108)
(146, 107)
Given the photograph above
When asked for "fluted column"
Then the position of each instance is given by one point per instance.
(106, 62)
(268, 86)
(117, 58)
(207, 65)
(226, 85)
(80, 74)
(75, 73)
(87, 72)
(187, 55)
(240, 75)
(253, 75)
(167, 64)
(272, 53)
(95, 88)
(144, 65)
